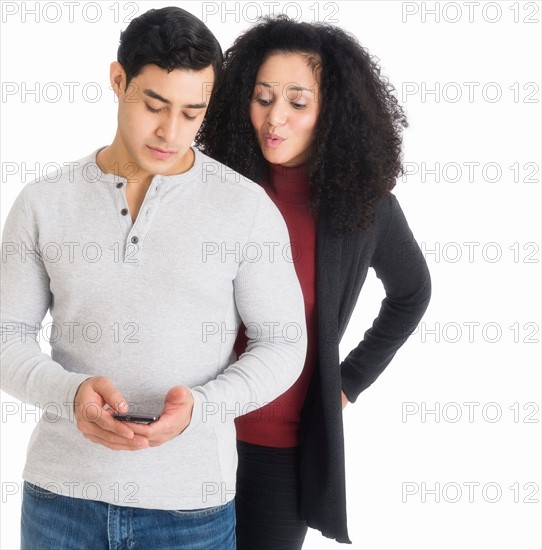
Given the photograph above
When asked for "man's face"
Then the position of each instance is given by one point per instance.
(159, 116)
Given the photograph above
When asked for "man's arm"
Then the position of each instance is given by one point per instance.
(27, 373)
(270, 303)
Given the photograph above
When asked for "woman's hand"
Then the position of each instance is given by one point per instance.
(344, 399)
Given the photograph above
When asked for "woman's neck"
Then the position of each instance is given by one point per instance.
(290, 183)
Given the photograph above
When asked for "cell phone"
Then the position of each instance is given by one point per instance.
(137, 418)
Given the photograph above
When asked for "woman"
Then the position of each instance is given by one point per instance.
(302, 110)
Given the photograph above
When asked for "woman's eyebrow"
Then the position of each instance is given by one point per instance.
(296, 87)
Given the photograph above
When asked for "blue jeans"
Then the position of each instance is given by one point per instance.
(55, 522)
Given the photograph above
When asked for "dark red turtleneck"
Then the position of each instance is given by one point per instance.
(277, 424)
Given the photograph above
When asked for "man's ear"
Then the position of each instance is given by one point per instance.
(117, 77)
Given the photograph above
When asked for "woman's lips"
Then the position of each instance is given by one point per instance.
(161, 154)
(272, 140)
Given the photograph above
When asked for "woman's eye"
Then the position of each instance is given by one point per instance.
(264, 102)
(149, 108)
(298, 105)
(188, 117)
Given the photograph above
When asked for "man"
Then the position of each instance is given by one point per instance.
(148, 255)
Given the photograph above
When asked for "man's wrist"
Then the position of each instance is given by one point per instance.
(77, 392)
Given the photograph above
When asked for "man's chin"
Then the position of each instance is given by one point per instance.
(155, 167)
(177, 163)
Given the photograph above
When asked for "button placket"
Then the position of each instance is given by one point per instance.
(121, 200)
(130, 256)
(142, 223)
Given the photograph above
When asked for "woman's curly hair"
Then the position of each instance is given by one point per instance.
(356, 150)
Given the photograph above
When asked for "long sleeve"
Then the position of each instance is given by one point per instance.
(270, 303)
(400, 265)
(27, 373)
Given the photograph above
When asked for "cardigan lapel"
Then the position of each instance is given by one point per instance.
(323, 492)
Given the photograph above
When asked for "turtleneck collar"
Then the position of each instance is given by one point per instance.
(290, 184)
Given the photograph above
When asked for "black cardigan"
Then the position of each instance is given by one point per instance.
(342, 262)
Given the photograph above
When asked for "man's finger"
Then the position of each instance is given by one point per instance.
(108, 423)
(178, 395)
(110, 394)
(112, 437)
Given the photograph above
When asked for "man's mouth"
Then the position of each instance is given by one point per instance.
(161, 154)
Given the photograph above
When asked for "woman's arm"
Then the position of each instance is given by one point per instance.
(400, 265)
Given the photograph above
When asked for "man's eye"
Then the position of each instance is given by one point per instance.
(149, 108)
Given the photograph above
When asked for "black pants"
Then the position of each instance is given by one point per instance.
(266, 500)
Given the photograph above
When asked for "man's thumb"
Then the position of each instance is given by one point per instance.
(110, 394)
(178, 395)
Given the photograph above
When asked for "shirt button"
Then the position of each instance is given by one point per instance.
(119, 185)
(135, 240)
(124, 211)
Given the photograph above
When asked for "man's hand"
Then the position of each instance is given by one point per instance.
(175, 417)
(344, 399)
(96, 401)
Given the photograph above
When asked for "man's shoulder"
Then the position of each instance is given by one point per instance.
(69, 173)
(236, 194)
(216, 173)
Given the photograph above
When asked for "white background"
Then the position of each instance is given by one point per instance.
(464, 350)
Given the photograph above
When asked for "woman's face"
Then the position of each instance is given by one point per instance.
(284, 108)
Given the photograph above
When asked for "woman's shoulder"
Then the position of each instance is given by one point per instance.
(384, 209)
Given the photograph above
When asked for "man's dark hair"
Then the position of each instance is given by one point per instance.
(170, 38)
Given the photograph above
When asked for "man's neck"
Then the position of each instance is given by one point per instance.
(114, 159)
(111, 162)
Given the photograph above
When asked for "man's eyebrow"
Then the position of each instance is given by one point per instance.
(295, 88)
(200, 105)
(154, 95)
